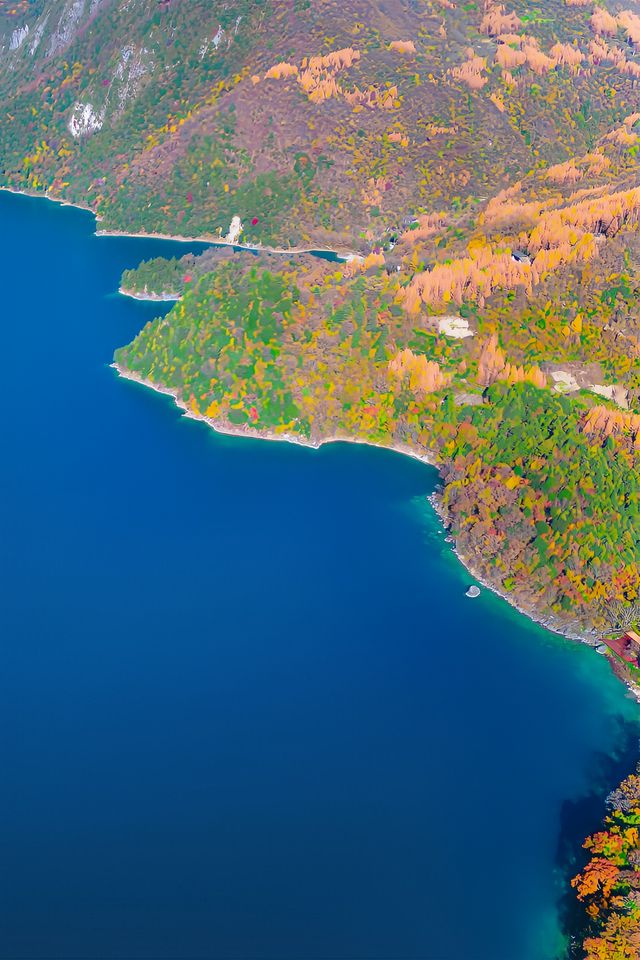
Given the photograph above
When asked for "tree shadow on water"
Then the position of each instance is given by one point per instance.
(579, 818)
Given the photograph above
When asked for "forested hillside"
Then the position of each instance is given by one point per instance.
(479, 162)
(325, 122)
(609, 885)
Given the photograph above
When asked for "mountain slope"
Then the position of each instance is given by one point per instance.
(177, 116)
(482, 160)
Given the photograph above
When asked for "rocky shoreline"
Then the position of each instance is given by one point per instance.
(548, 621)
(229, 429)
(155, 297)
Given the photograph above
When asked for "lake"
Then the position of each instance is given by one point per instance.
(246, 710)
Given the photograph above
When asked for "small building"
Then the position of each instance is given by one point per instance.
(634, 638)
(627, 647)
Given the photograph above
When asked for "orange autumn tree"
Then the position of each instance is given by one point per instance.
(630, 23)
(493, 366)
(605, 422)
(605, 215)
(360, 264)
(537, 61)
(567, 54)
(425, 226)
(491, 363)
(424, 376)
(609, 885)
(403, 46)
(603, 22)
(509, 57)
(512, 374)
(599, 876)
(318, 78)
(553, 235)
(496, 20)
(575, 169)
(515, 50)
(471, 72)
(601, 52)
(281, 70)
(467, 278)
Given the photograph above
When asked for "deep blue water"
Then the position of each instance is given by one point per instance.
(245, 709)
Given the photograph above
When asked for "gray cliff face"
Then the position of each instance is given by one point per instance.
(18, 37)
(63, 34)
(121, 45)
(47, 31)
(55, 22)
(55, 28)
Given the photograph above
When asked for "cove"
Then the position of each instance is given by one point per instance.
(245, 708)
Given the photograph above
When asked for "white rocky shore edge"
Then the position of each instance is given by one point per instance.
(155, 297)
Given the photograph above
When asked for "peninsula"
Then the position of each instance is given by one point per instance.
(476, 169)
(482, 164)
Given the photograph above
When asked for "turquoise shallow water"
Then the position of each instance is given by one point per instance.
(245, 709)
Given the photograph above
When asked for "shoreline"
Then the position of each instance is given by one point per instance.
(546, 622)
(35, 195)
(155, 297)
(213, 241)
(344, 256)
(228, 430)
(588, 639)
